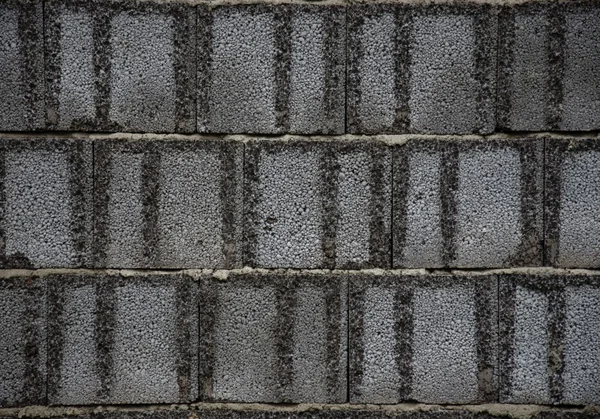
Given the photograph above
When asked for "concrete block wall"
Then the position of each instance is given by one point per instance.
(293, 209)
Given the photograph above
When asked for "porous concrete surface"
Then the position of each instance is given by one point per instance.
(120, 66)
(549, 66)
(273, 338)
(271, 69)
(422, 68)
(317, 204)
(550, 339)
(22, 341)
(572, 194)
(21, 65)
(468, 203)
(428, 339)
(168, 204)
(115, 339)
(45, 200)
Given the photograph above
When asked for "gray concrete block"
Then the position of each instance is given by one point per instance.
(423, 68)
(271, 69)
(314, 204)
(21, 65)
(275, 338)
(114, 339)
(168, 203)
(550, 339)
(549, 66)
(22, 341)
(120, 66)
(45, 203)
(429, 339)
(468, 203)
(572, 194)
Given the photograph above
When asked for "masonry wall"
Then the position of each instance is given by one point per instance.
(221, 209)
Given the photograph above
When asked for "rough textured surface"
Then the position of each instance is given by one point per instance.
(120, 66)
(273, 338)
(572, 210)
(314, 204)
(549, 66)
(271, 69)
(550, 339)
(168, 204)
(22, 342)
(45, 203)
(468, 203)
(421, 68)
(115, 339)
(428, 339)
(21, 65)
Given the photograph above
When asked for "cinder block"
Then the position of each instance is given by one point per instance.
(430, 339)
(271, 69)
(468, 203)
(274, 338)
(22, 341)
(423, 68)
(21, 65)
(168, 204)
(550, 339)
(549, 66)
(572, 196)
(120, 65)
(114, 339)
(45, 203)
(317, 204)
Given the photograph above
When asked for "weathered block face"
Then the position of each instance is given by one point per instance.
(550, 339)
(273, 338)
(313, 204)
(468, 203)
(123, 65)
(271, 69)
(46, 188)
(572, 196)
(122, 340)
(21, 65)
(421, 68)
(22, 341)
(168, 204)
(429, 339)
(549, 66)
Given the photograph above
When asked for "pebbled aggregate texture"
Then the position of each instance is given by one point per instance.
(468, 203)
(118, 340)
(120, 66)
(45, 202)
(22, 342)
(426, 339)
(21, 65)
(273, 338)
(549, 339)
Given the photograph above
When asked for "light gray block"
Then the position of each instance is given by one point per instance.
(120, 66)
(115, 339)
(313, 204)
(45, 191)
(21, 65)
(572, 194)
(423, 68)
(550, 339)
(273, 338)
(271, 69)
(429, 339)
(468, 203)
(168, 204)
(22, 341)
